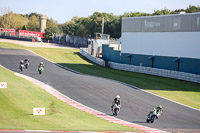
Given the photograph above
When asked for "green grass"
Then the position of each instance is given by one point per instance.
(11, 45)
(184, 92)
(18, 100)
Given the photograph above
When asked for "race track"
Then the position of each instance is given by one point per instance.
(98, 93)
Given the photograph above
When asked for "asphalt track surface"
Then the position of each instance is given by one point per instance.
(98, 93)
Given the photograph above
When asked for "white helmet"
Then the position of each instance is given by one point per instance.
(22, 61)
(118, 97)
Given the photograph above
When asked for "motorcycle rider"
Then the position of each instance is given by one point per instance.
(41, 65)
(21, 62)
(21, 66)
(116, 101)
(158, 111)
(26, 63)
(26, 60)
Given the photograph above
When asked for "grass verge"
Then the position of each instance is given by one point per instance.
(18, 100)
(184, 92)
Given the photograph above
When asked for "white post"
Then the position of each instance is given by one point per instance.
(102, 26)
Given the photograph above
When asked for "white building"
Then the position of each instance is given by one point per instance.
(175, 35)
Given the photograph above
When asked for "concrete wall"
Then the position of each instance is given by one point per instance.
(164, 62)
(141, 60)
(146, 70)
(190, 65)
(156, 71)
(181, 64)
(84, 52)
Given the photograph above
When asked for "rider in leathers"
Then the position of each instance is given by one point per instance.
(116, 101)
(41, 65)
(158, 111)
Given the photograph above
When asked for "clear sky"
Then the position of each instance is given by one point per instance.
(65, 10)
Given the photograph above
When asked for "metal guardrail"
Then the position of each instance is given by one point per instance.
(96, 60)
(155, 71)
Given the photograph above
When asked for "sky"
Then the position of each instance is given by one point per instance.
(64, 10)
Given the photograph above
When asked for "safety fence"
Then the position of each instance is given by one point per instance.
(156, 71)
(84, 52)
(70, 40)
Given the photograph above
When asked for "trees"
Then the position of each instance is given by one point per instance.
(192, 9)
(82, 25)
(162, 12)
(13, 21)
(113, 27)
(33, 23)
(52, 27)
(70, 27)
(92, 24)
(17, 21)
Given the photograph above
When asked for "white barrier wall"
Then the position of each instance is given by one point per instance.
(96, 60)
(157, 72)
(175, 44)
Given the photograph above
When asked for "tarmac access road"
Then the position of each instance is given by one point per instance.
(98, 93)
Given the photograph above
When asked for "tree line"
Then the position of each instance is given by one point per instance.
(80, 26)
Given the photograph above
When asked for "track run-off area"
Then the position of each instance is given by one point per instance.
(98, 93)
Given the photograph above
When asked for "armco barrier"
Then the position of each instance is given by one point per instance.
(96, 60)
(155, 71)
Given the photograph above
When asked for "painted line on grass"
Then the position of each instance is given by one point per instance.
(116, 81)
(82, 107)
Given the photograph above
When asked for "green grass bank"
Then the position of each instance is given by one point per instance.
(18, 100)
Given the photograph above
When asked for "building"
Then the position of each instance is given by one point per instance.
(43, 22)
(170, 42)
(168, 35)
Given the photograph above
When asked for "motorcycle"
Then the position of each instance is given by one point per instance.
(40, 69)
(116, 109)
(21, 67)
(152, 116)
